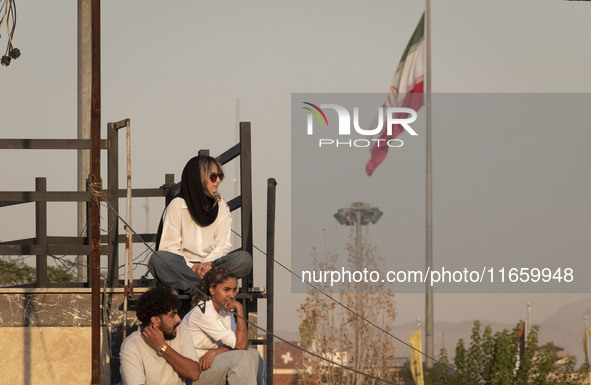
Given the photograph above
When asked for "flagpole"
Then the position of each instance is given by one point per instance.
(586, 340)
(528, 320)
(429, 197)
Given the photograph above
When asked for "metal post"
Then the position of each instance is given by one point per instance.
(84, 79)
(41, 234)
(358, 298)
(129, 239)
(586, 347)
(113, 233)
(429, 327)
(168, 184)
(246, 208)
(528, 320)
(95, 179)
(271, 187)
(359, 214)
(113, 188)
(87, 239)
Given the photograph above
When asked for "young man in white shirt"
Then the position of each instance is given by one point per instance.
(160, 351)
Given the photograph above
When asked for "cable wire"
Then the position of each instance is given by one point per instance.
(352, 311)
(8, 12)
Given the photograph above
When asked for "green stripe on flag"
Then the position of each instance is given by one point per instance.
(417, 36)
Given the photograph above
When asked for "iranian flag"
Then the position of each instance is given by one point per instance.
(406, 90)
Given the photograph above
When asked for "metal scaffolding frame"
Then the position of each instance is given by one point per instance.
(42, 245)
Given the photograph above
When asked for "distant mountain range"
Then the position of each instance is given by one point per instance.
(564, 328)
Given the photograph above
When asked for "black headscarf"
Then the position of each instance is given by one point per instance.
(202, 207)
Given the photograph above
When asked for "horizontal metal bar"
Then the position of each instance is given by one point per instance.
(51, 240)
(78, 241)
(61, 288)
(50, 249)
(142, 192)
(118, 125)
(135, 238)
(3, 204)
(48, 144)
(8, 198)
(43, 196)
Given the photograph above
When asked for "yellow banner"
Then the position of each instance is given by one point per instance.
(586, 342)
(416, 358)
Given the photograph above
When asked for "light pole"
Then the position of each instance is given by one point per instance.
(359, 214)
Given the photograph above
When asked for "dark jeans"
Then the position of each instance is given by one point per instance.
(172, 270)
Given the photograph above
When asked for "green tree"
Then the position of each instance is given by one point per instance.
(16, 272)
(439, 374)
(496, 359)
(59, 274)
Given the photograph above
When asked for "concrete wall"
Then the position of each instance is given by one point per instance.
(45, 336)
(46, 355)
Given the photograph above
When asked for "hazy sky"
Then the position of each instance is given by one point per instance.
(185, 73)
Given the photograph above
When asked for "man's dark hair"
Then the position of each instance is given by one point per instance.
(157, 301)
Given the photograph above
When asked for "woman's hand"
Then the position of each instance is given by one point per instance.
(234, 306)
(241, 337)
(203, 268)
(206, 361)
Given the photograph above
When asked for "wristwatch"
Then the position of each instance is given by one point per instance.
(163, 349)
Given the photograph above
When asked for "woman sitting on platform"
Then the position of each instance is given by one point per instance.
(196, 228)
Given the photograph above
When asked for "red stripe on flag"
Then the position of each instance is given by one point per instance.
(414, 99)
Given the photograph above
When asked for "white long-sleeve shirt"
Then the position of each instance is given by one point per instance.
(181, 235)
(210, 330)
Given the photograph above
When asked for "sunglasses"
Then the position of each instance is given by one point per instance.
(213, 177)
